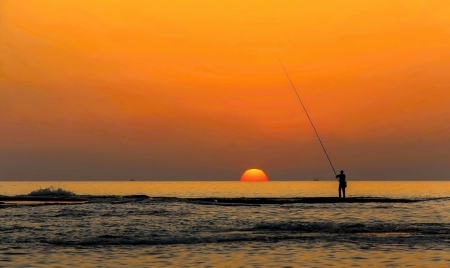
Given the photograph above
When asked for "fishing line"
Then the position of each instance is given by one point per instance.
(317, 134)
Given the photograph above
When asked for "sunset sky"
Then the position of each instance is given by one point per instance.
(194, 90)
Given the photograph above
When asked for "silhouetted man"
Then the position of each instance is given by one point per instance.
(342, 183)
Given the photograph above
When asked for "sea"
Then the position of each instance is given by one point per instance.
(175, 228)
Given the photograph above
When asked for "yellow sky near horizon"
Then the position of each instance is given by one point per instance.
(197, 85)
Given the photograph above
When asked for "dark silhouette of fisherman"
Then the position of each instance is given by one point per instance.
(342, 183)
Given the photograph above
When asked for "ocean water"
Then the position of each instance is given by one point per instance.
(174, 229)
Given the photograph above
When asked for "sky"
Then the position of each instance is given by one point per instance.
(194, 90)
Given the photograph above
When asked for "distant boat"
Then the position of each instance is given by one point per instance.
(132, 180)
(316, 180)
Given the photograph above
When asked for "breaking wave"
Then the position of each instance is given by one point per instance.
(51, 192)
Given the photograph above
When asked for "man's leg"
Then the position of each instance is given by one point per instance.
(343, 192)
(339, 192)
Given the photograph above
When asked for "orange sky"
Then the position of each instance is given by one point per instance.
(190, 90)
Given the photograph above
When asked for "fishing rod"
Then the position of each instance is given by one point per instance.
(317, 134)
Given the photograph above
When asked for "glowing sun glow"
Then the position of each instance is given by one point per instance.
(254, 175)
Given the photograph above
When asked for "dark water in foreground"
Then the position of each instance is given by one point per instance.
(175, 232)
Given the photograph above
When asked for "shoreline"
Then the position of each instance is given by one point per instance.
(210, 200)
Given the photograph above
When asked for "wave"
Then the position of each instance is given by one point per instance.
(173, 240)
(51, 192)
(350, 228)
(81, 200)
(281, 231)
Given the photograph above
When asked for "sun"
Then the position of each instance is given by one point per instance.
(254, 175)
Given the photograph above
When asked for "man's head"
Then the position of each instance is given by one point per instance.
(342, 172)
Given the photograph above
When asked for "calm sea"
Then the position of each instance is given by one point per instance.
(175, 232)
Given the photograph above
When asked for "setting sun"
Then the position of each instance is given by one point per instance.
(254, 175)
